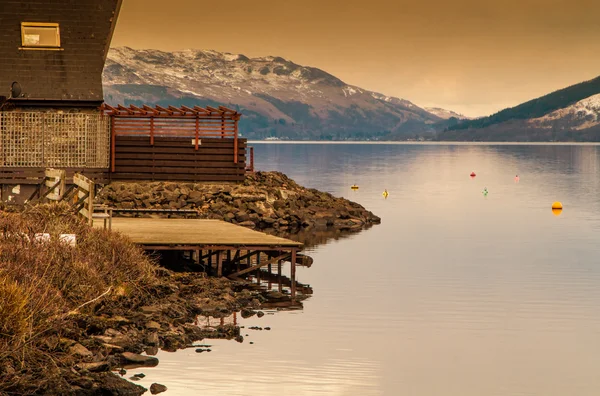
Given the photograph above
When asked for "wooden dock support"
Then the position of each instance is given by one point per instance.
(293, 274)
(220, 248)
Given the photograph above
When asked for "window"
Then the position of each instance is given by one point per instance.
(40, 35)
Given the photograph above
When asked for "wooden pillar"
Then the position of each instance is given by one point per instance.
(152, 131)
(235, 142)
(219, 263)
(209, 267)
(113, 143)
(258, 270)
(293, 274)
(270, 273)
(197, 132)
(280, 285)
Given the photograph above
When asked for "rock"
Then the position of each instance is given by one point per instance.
(103, 339)
(145, 361)
(260, 314)
(113, 348)
(121, 340)
(149, 309)
(228, 216)
(157, 388)
(248, 224)
(280, 203)
(95, 367)
(242, 217)
(152, 339)
(112, 384)
(267, 328)
(152, 325)
(79, 350)
(119, 320)
(246, 313)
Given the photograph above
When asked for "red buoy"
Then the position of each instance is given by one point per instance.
(473, 174)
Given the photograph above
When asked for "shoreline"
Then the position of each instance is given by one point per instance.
(426, 142)
(90, 342)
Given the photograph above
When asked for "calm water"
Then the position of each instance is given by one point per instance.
(455, 293)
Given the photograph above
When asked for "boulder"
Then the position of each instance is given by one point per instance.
(139, 360)
(95, 367)
(79, 350)
(157, 388)
(242, 216)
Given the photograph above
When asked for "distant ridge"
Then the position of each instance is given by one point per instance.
(279, 98)
(537, 107)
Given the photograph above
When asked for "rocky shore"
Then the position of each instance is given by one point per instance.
(266, 201)
(86, 319)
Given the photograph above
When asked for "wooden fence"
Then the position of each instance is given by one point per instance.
(186, 144)
(173, 158)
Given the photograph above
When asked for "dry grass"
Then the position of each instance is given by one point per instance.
(42, 283)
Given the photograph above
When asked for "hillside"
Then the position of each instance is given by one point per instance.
(278, 98)
(567, 114)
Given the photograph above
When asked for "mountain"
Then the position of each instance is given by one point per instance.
(569, 114)
(445, 114)
(278, 98)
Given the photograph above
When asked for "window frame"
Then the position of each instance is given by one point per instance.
(25, 25)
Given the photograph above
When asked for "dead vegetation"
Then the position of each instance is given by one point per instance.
(44, 283)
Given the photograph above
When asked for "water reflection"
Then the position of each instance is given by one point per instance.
(453, 294)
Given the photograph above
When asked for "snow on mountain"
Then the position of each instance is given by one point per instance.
(276, 96)
(445, 114)
(581, 115)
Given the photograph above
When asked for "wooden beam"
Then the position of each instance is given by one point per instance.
(257, 266)
(148, 108)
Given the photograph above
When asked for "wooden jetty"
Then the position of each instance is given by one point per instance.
(223, 249)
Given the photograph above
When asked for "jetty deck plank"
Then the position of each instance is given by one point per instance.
(196, 232)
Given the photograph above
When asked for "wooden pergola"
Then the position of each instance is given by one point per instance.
(164, 126)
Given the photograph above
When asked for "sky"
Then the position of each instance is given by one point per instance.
(473, 57)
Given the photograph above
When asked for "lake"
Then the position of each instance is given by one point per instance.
(455, 293)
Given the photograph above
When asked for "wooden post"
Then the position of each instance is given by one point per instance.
(280, 285)
(270, 272)
(112, 143)
(152, 131)
(258, 270)
(209, 267)
(222, 127)
(219, 264)
(228, 265)
(235, 142)
(293, 274)
(197, 132)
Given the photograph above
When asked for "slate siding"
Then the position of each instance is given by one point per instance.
(67, 76)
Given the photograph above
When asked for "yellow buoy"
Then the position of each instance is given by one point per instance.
(385, 194)
(354, 187)
(556, 212)
(557, 205)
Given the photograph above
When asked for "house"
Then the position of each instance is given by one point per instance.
(52, 53)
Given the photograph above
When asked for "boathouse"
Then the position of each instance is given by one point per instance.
(52, 54)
